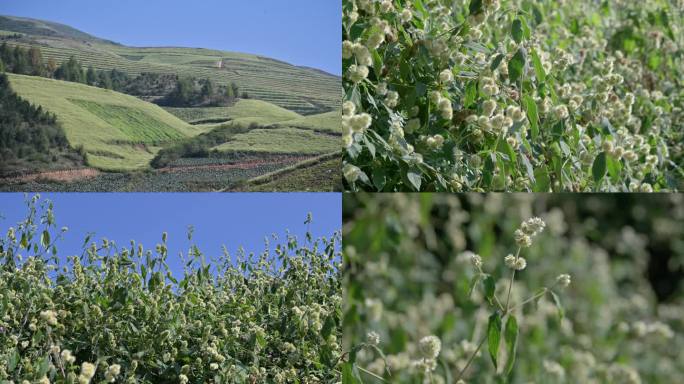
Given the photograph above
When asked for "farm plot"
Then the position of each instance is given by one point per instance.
(243, 109)
(281, 140)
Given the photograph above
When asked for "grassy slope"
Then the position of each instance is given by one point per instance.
(242, 110)
(328, 121)
(300, 89)
(319, 174)
(282, 140)
(98, 120)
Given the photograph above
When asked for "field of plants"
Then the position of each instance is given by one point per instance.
(115, 313)
(117, 131)
(281, 140)
(184, 175)
(513, 95)
(303, 90)
(319, 174)
(514, 288)
(244, 108)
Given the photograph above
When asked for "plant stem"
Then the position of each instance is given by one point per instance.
(510, 285)
(538, 295)
(472, 357)
(370, 373)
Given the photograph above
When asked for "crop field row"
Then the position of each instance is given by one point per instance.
(282, 140)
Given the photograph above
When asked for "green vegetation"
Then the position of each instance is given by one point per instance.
(242, 110)
(514, 95)
(227, 106)
(328, 121)
(119, 313)
(300, 89)
(30, 138)
(594, 296)
(281, 140)
(99, 130)
(321, 174)
(135, 124)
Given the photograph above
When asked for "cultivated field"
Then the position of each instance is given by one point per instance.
(118, 132)
(304, 90)
(281, 140)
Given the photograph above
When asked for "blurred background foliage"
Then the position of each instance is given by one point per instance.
(407, 275)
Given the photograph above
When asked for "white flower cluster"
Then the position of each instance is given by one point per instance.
(353, 123)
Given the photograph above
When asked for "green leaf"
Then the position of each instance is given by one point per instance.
(13, 361)
(494, 336)
(515, 66)
(542, 180)
(473, 283)
(598, 169)
(470, 94)
(475, 7)
(532, 116)
(490, 287)
(614, 168)
(516, 31)
(24, 241)
(511, 338)
(347, 374)
(379, 178)
(497, 60)
(538, 68)
(415, 177)
(556, 300)
(45, 239)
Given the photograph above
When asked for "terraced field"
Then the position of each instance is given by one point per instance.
(328, 122)
(300, 89)
(242, 111)
(118, 132)
(282, 140)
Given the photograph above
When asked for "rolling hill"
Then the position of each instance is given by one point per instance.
(117, 131)
(300, 89)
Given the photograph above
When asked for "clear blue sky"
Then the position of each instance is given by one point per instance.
(301, 32)
(230, 219)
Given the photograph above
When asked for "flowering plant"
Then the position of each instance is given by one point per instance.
(497, 95)
(572, 305)
(117, 314)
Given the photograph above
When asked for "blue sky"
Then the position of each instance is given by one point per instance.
(301, 32)
(230, 219)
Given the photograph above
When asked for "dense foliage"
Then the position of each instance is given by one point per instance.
(115, 312)
(29, 136)
(200, 145)
(435, 265)
(513, 95)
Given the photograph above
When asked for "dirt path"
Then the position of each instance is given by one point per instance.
(65, 175)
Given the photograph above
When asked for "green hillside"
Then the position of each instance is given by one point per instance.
(328, 121)
(282, 140)
(300, 89)
(118, 132)
(242, 110)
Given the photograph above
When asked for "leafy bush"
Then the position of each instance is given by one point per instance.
(118, 313)
(513, 95)
(427, 283)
